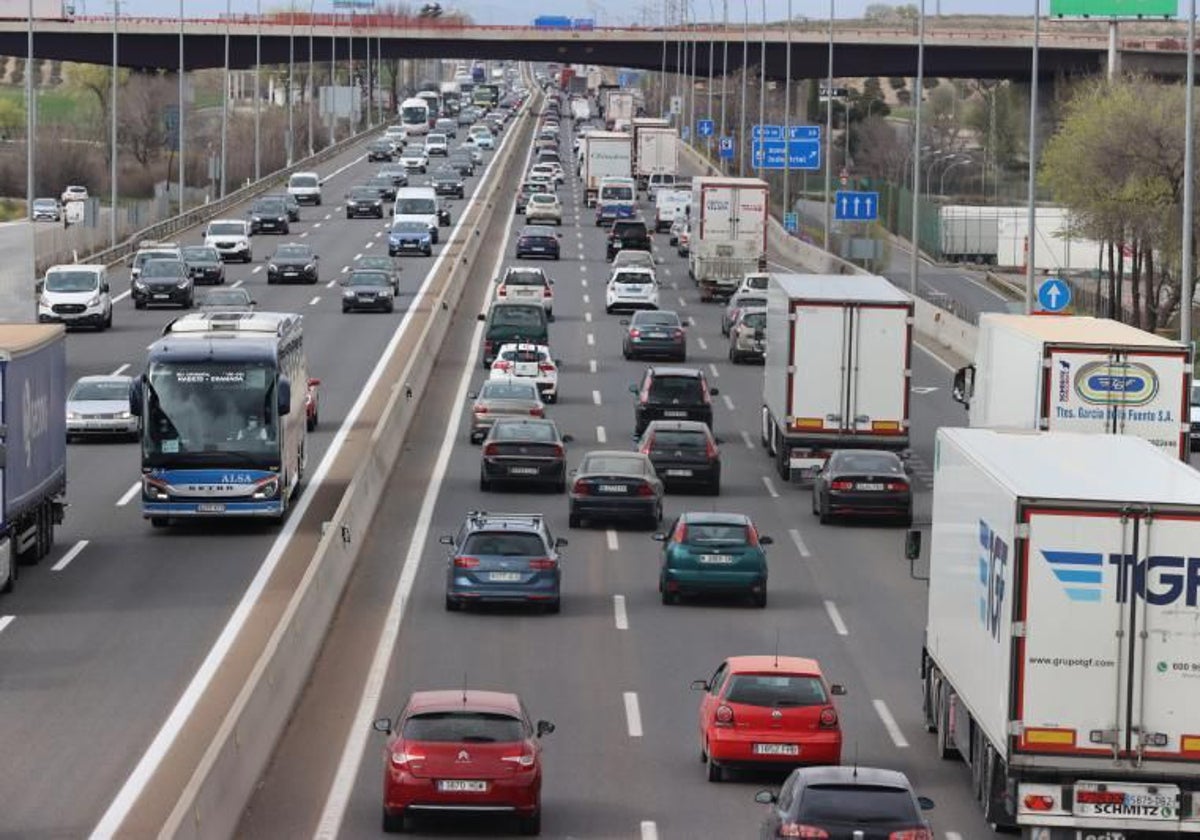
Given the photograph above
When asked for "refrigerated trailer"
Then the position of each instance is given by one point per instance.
(728, 233)
(1078, 374)
(1061, 659)
(603, 154)
(838, 366)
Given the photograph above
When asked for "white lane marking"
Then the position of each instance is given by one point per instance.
(369, 244)
(601, 435)
(237, 283)
(746, 439)
(620, 616)
(713, 369)
(314, 301)
(6, 620)
(316, 224)
(587, 299)
(953, 835)
(330, 284)
(728, 402)
(345, 269)
(71, 554)
(582, 280)
(591, 340)
(770, 485)
(378, 234)
(633, 715)
(128, 495)
(328, 215)
(835, 616)
(935, 357)
(667, 271)
(610, 537)
(596, 397)
(649, 830)
(121, 296)
(691, 321)
(120, 370)
(591, 365)
(794, 533)
(304, 234)
(889, 723)
(587, 316)
(358, 256)
(702, 343)
(682, 302)
(256, 269)
(334, 809)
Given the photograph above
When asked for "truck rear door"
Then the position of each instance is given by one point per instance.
(878, 389)
(1117, 391)
(821, 359)
(716, 214)
(1109, 664)
(750, 218)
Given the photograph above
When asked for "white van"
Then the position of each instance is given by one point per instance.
(420, 204)
(76, 296)
(231, 238)
(305, 187)
(670, 205)
(660, 181)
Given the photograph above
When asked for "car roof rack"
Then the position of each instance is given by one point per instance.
(480, 517)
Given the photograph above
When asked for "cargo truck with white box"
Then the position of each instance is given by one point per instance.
(604, 154)
(655, 149)
(1061, 659)
(838, 368)
(728, 233)
(1078, 374)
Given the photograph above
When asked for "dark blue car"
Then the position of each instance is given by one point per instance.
(503, 558)
(410, 238)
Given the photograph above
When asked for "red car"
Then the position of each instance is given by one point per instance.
(312, 403)
(767, 710)
(463, 750)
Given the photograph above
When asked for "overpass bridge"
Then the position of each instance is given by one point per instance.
(859, 49)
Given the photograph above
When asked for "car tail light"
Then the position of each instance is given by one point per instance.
(724, 716)
(829, 718)
(502, 291)
(680, 534)
(581, 488)
(546, 367)
(537, 412)
(704, 391)
(547, 293)
(635, 333)
(399, 759)
(644, 489)
(490, 450)
(480, 409)
(487, 345)
(542, 564)
(677, 333)
(523, 760)
(647, 446)
(559, 452)
(799, 830)
(897, 486)
(502, 365)
(466, 562)
(911, 834)
(841, 485)
(710, 449)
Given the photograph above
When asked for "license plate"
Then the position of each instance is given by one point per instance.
(523, 470)
(869, 485)
(776, 749)
(716, 559)
(674, 414)
(536, 248)
(210, 507)
(657, 335)
(680, 473)
(1126, 801)
(161, 297)
(461, 786)
(409, 245)
(613, 488)
(504, 577)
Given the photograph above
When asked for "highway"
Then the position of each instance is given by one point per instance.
(613, 669)
(99, 641)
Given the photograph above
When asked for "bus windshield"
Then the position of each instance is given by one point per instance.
(197, 412)
(414, 114)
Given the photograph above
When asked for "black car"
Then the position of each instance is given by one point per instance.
(509, 322)
(526, 451)
(204, 263)
(269, 214)
(615, 485)
(378, 262)
(383, 185)
(654, 333)
(627, 235)
(398, 175)
(462, 163)
(685, 454)
(366, 289)
(289, 201)
(163, 282)
(538, 241)
(845, 801)
(447, 181)
(364, 201)
(863, 482)
(672, 393)
(293, 262)
(380, 150)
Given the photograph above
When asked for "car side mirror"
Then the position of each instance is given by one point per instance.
(659, 537)
(568, 438)
(559, 542)
(766, 541)
(837, 689)
(633, 389)
(925, 802)
(135, 397)
(446, 539)
(383, 725)
(624, 322)
(481, 317)
(544, 727)
(38, 286)
(284, 401)
(760, 334)
(765, 797)
(699, 685)
(473, 395)
(312, 382)
(912, 545)
(964, 385)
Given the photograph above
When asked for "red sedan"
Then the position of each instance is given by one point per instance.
(767, 710)
(312, 403)
(463, 750)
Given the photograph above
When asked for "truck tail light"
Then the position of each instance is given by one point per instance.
(724, 716)
(1038, 802)
(466, 562)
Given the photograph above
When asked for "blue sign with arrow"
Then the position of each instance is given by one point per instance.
(725, 148)
(704, 128)
(854, 206)
(1054, 294)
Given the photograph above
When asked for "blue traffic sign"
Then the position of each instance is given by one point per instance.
(853, 206)
(1054, 294)
(791, 222)
(801, 154)
(704, 128)
(795, 132)
(725, 148)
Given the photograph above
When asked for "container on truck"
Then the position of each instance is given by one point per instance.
(1060, 652)
(620, 106)
(33, 469)
(604, 154)
(1078, 374)
(968, 238)
(451, 94)
(728, 233)
(838, 368)
(656, 152)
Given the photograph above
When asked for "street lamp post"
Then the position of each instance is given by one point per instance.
(291, 85)
(913, 261)
(787, 116)
(112, 106)
(312, 84)
(745, 72)
(1032, 174)
(662, 75)
(762, 88)
(829, 132)
(1189, 166)
(257, 93)
(711, 60)
(31, 119)
(182, 119)
(225, 101)
(724, 59)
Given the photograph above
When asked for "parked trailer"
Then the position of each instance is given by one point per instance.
(1059, 660)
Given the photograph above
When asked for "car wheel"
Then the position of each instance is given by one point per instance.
(573, 521)
(554, 607)
(823, 513)
(393, 823)
(714, 489)
(484, 484)
(139, 304)
(270, 280)
(715, 772)
(159, 521)
(452, 605)
(532, 826)
(759, 599)
(391, 307)
(560, 486)
(108, 321)
(906, 519)
(249, 258)
(813, 506)
(670, 599)
(345, 309)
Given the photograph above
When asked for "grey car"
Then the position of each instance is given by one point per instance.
(368, 290)
(293, 261)
(742, 300)
(225, 300)
(748, 336)
(290, 202)
(204, 263)
(99, 406)
(498, 398)
(615, 485)
(524, 450)
(654, 333)
(380, 262)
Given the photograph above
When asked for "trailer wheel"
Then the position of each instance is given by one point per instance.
(945, 747)
(7, 559)
(782, 458)
(764, 429)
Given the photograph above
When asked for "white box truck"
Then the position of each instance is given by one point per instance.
(838, 367)
(728, 233)
(604, 154)
(656, 153)
(1061, 659)
(619, 107)
(1078, 374)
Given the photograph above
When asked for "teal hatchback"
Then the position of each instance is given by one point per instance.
(713, 553)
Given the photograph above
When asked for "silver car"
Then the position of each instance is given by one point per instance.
(741, 300)
(99, 405)
(747, 337)
(225, 300)
(503, 398)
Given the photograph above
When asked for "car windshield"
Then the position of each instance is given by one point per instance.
(755, 320)
(226, 229)
(683, 389)
(859, 804)
(655, 319)
(633, 277)
(71, 281)
(368, 278)
(1196, 395)
(504, 544)
(143, 257)
(464, 727)
(518, 316)
(746, 301)
(756, 281)
(516, 355)
(542, 432)
(775, 690)
(381, 263)
(41, 203)
(269, 207)
(225, 297)
(384, 181)
(381, 145)
(507, 391)
(677, 439)
(305, 181)
(543, 198)
(199, 253)
(525, 278)
(616, 194)
(633, 258)
(100, 390)
(163, 268)
(297, 252)
(416, 207)
(532, 187)
(624, 464)
(410, 227)
(865, 462)
(364, 194)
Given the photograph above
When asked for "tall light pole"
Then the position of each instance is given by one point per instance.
(711, 60)
(787, 115)
(312, 82)
(914, 264)
(662, 76)
(225, 101)
(762, 86)
(745, 72)
(291, 142)
(355, 99)
(724, 58)
(182, 119)
(692, 83)
(31, 120)
(829, 132)
(333, 85)
(112, 107)
(1032, 175)
(942, 181)
(257, 92)
(1189, 167)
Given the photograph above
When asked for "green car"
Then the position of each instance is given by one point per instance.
(713, 553)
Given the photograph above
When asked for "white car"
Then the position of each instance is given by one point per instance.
(543, 178)
(99, 405)
(543, 208)
(631, 288)
(231, 238)
(528, 361)
(396, 135)
(520, 283)
(74, 193)
(305, 187)
(632, 258)
(415, 158)
(437, 144)
(550, 170)
(755, 282)
(483, 137)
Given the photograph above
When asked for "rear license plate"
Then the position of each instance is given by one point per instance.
(1126, 801)
(674, 414)
(716, 559)
(536, 248)
(461, 786)
(522, 470)
(680, 473)
(504, 577)
(869, 485)
(657, 335)
(613, 488)
(210, 507)
(776, 749)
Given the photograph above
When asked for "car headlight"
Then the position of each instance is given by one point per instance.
(139, 284)
(272, 267)
(349, 293)
(183, 284)
(266, 490)
(256, 218)
(71, 415)
(94, 300)
(310, 267)
(385, 292)
(124, 415)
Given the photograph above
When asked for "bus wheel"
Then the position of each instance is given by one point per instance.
(159, 521)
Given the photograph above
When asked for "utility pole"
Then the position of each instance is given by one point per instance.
(182, 121)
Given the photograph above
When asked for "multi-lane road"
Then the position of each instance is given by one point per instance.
(613, 669)
(99, 642)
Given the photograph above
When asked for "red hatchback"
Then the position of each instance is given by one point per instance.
(767, 710)
(463, 750)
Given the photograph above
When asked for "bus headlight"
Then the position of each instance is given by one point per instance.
(267, 490)
(154, 489)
